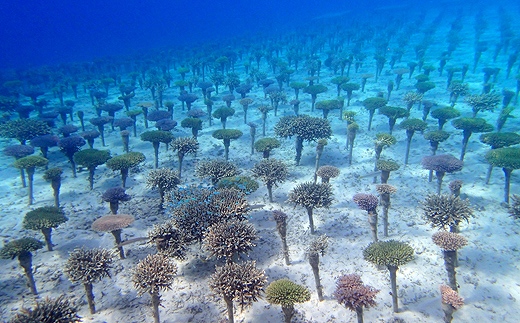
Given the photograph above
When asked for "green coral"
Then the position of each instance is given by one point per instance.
(388, 253)
(265, 145)
(24, 129)
(124, 162)
(286, 293)
(500, 139)
(384, 140)
(227, 135)
(387, 165)
(157, 136)
(436, 135)
(53, 174)
(195, 124)
(413, 124)
(30, 162)
(20, 246)
(44, 217)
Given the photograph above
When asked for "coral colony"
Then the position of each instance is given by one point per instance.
(214, 220)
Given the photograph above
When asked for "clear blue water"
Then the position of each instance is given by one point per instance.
(43, 32)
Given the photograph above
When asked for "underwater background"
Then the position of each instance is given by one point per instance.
(39, 32)
(259, 161)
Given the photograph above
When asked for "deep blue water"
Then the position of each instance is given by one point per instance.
(41, 32)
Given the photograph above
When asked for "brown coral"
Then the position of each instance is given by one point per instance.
(168, 240)
(114, 224)
(226, 239)
(367, 202)
(351, 293)
(242, 283)
(449, 241)
(451, 297)
(327, 172)
(385, 189)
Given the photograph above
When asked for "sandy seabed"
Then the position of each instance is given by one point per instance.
(489, 264)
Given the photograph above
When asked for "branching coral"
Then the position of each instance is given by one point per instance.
(168, 240)
(311, 195)
(164, 180)
(88, 266)
(230, 238)
(271, 172)
(327, 172)
(508, 159)
(113, 196)
(53, 175)
(58, 310)
(195, 209)
(286, 293)
(215, 169)
(154, 274)
(91, 159)
(446, 210)
(384, 191)
(226, 135)
(22, 249)
(441, 164)
(354, 295)
(483, 102)
(455, 187)
(124, 162)
(317, 247)
(29, 164)
(368, 202)
(184, 146)
(304, 128)
(451, 301)
(241, 283)
(391, 254)
(265, 145)
(44, 219)
(514, 208)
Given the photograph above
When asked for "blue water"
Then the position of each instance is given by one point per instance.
(40, 32)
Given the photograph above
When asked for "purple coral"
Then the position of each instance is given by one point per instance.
(159, 115)
(113, 196)
(442, 164)
(44, 142)
(351, 293)
(367, 202)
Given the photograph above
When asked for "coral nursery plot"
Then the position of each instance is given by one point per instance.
(327, 214)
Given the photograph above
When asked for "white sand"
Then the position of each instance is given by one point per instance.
(489, 264)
